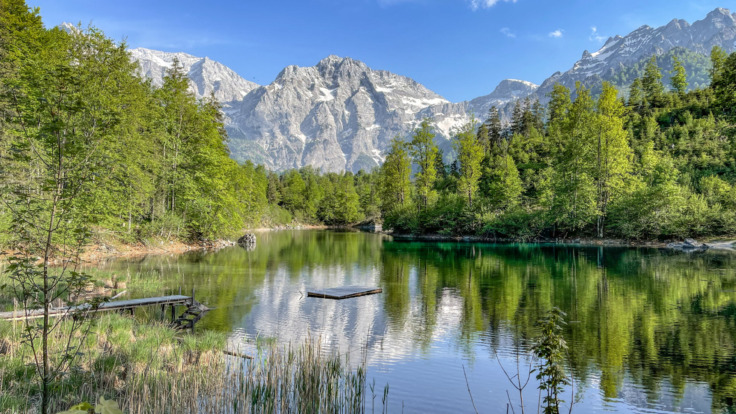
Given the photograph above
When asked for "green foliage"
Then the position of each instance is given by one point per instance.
(678, 76)
(102, 407)
(158, 166)
(661, 167)
(424, 153)
(395, 178)
(469, 155)
(651, 83)
(550, 349)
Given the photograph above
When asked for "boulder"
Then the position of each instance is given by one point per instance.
(688, 244)
(248, 241)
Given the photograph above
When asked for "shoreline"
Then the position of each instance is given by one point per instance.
(577, 241)
(99, 252)
(718, 244)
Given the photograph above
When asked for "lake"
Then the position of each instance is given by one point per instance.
(649, 330)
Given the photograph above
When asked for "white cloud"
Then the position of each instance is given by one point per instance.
(486, 4)
(594, 36)
(507, 32)
(556, 34)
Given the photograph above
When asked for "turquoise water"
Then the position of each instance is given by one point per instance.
(648, 330)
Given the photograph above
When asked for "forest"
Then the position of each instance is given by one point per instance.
(82, 131)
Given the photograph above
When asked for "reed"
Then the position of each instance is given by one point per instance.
(147, 368)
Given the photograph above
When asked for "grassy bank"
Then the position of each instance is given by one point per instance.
(147, 367)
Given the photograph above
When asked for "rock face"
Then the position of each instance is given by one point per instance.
(341, 115)
(206, 75)
(338, 115)
(507, 92)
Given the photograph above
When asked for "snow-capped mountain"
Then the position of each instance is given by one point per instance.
(206, 75)
(508, 91)
(340, 114)
(718, 28)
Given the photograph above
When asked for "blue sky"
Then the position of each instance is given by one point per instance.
(460, 49)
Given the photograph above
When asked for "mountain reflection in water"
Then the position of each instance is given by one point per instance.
(649, 330)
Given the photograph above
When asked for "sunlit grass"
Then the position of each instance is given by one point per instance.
(148, 367)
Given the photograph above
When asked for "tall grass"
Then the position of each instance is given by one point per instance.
(148, 368)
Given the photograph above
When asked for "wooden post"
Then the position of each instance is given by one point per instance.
(173, 313)
(192, 301)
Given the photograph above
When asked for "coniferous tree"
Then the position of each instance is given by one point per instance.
(678, 76)
(636, 95)
(574, 202)
(482, 137)
(651, 83)
(495, 130)
(717, 61)
(517, 118)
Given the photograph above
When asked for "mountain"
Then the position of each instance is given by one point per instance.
(508, 91)
(341, 115)
(206, 75)
(718, 28)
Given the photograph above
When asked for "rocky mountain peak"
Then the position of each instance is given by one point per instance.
(340, 114)
(717, 28)
(206, 76)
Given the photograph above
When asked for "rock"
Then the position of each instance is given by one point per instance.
(248, 241)
(722, 245)
(688, 245)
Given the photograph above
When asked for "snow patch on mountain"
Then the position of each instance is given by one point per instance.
(207, 76)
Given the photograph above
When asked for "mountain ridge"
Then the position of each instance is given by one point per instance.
(341, 114)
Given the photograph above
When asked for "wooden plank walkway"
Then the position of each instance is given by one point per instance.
(106, 306)
(344, 292)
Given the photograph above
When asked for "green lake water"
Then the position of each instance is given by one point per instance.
(649, 330)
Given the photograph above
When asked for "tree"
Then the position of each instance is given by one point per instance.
(550, 350)
(612, 153)
(651, 82)
(274, 188)
(348, 201)
(482, 137)
(678, 76)
(717, 62)
(574, 202)
(724, 86)
(500, 182)
(424, 153)
(395, 177)
(366, 185)
(517, 118)
(293, 191)
(469, 154)
(636, 95)
(68, 99)
(495, 131)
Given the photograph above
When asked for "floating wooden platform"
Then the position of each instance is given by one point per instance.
(106, 306)
(344, 292)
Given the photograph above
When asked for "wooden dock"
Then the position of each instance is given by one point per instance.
(118, 305)
(344, 292)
